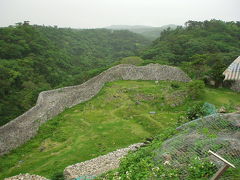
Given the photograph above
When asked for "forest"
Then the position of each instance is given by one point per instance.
(35, 58)
(202, 49)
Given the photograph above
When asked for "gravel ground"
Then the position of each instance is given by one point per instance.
(98, 165)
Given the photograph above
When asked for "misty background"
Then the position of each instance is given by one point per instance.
(101, 13)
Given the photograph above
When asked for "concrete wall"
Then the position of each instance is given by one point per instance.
(50, 103)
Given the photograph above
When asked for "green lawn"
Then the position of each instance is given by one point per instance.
(117, 117)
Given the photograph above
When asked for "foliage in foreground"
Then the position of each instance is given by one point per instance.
(183, 154)
(141, 164)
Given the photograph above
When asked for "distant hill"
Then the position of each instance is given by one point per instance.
(149, 32)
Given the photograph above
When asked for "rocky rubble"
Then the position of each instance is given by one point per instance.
(26, 177)
(98, 165)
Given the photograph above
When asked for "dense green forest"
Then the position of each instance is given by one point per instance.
(36, 58)
(202, 49)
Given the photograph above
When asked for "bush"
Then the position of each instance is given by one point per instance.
(200, 109)
(132, 60)
(195, 89)
(195, 111)
(199, 168)
(175, 85)
(58, 176)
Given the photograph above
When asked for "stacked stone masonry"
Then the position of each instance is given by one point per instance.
(26, 177)
(50, 103)
(99, 165)
(236, 86)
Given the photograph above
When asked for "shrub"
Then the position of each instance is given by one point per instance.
(195, 111)
(58, 176)
(132, 60)
(175, 85)
(200, 109)
(199, 168)
(195, 89)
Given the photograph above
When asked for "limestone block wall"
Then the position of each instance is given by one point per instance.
(98, 165)
(236, 86)
(50, 103)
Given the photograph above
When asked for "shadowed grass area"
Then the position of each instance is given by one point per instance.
(117, 117)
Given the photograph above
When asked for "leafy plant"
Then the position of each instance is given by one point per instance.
(200, 168)
(195, 89)
(200, 109)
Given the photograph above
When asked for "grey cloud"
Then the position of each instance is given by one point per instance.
(100, 13)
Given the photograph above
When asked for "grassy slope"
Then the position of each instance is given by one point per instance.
(117, 117)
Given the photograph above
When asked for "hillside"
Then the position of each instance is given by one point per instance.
(148, 32)
(51, 103)
(203, 49)
(123, 113)
(36, 58)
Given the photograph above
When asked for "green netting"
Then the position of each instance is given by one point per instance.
(208, 109)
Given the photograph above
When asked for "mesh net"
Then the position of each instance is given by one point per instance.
(219, 133)
(208, 109)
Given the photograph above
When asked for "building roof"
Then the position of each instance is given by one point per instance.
(233, 71)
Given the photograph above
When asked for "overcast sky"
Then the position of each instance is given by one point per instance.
(101, 13)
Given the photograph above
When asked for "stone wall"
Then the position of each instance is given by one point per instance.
(236, 86)
(98, 165)
(50, 103)
(26, 177)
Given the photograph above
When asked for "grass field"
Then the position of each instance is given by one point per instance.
(117, 117)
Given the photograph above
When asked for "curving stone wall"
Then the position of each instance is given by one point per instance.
(50, 103)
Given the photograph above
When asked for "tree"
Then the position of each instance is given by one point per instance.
(195, 89)
(132, 60)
